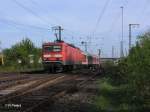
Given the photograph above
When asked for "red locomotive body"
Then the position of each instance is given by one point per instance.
(61, 55)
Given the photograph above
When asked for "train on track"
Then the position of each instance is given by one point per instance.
(62, 56)
(59, 56)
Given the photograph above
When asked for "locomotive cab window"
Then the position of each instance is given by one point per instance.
(48, 48)
(52, 48)
(56, 48)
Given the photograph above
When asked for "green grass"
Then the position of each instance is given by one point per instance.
(8, 69)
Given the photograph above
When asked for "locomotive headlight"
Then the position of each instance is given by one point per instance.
(58, 55)
(47, 56)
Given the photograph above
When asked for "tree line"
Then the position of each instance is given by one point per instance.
(22, 55)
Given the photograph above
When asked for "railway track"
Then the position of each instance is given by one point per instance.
(15, 83)
(24, 88)
(41, 92)
(8, 80)
(13, 80)
(70, 86)
(27, 89)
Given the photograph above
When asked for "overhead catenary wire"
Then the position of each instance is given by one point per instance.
(141, 19)
(59, 22)
(99, 19)
(145, 6)
(66, 30)
(11, 22)
(32, 12)
(114, 23)
(22, 27)
(101, 15)
(35, 3)
(116, 19)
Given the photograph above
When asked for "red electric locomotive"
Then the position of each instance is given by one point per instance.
(61, 55)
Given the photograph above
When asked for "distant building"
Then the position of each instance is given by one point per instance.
(114, 60)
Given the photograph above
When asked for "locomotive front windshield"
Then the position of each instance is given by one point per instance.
(52, 48)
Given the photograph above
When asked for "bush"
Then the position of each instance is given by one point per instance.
(24, 51)
(126, 87)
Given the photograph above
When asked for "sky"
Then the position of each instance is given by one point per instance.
(97, 22)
